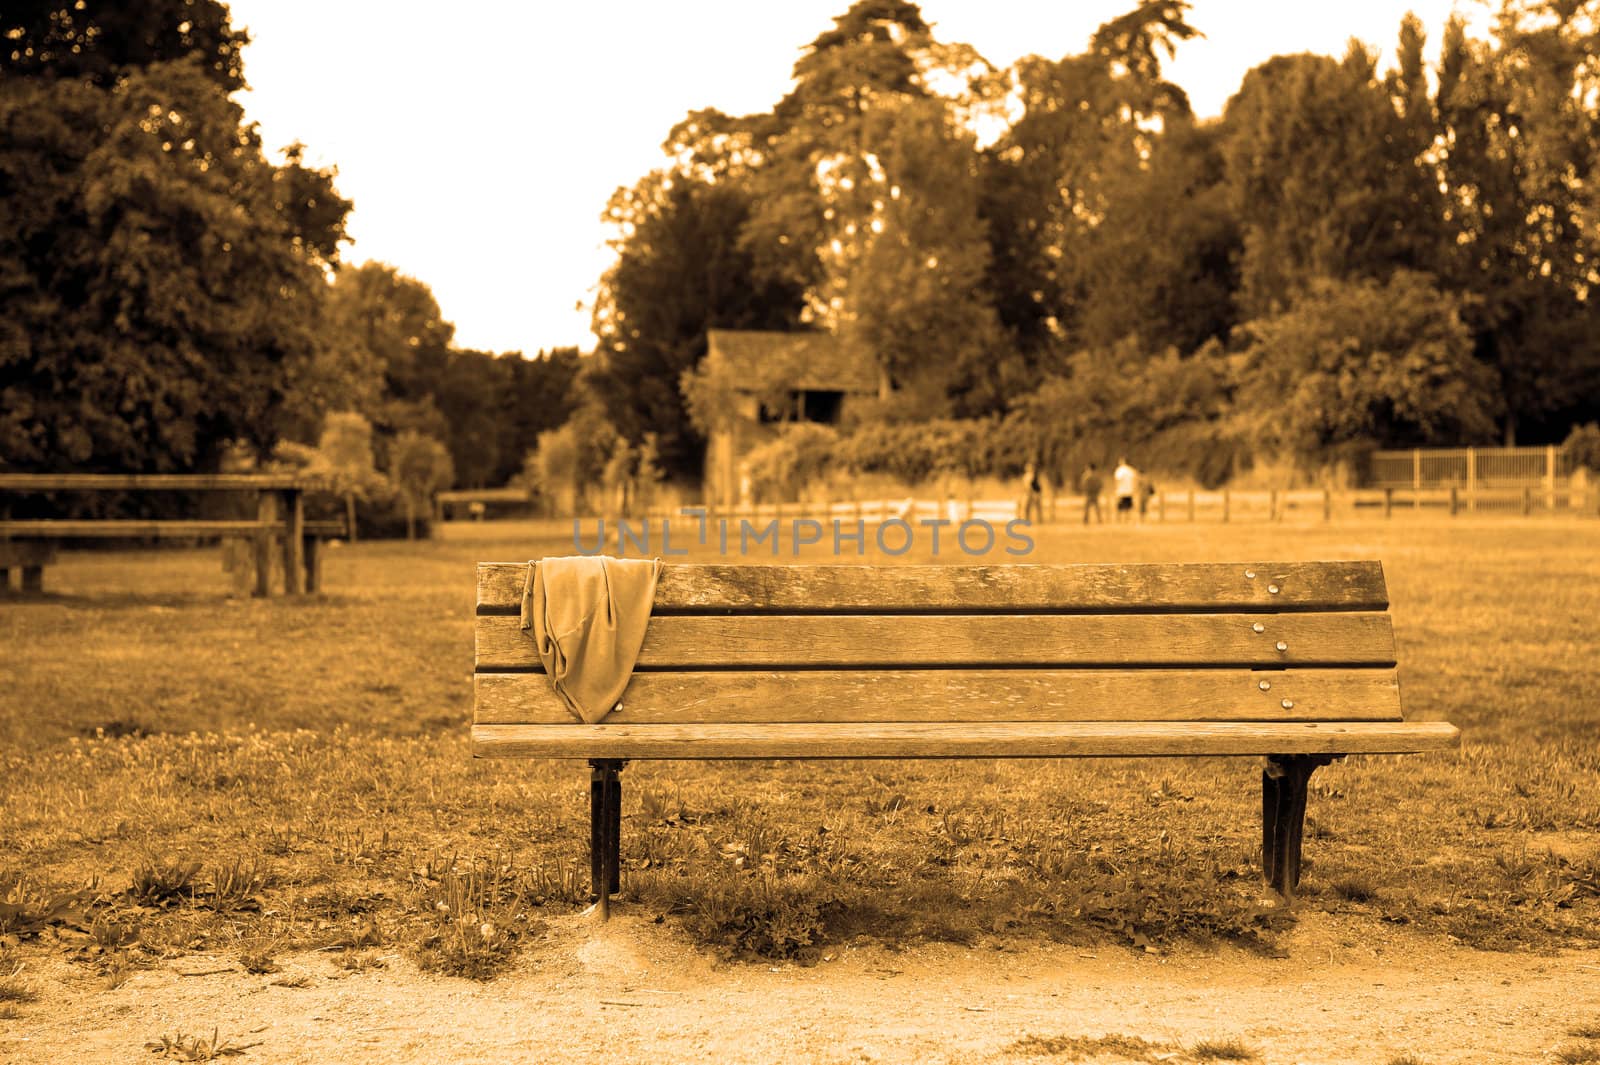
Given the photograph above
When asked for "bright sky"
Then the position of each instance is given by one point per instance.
(480, 143)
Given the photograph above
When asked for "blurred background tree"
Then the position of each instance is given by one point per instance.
(1056, 260)
(419, 466)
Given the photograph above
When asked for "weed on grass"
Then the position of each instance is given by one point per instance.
(27, 909)
(1354, 890)
(182, 1047)
(1231, 1049)
(115, 972)
(258, 962)
(13, 990)
(236, 884)
(164, 882)
(475, 914)
(1405, 1059)
(767, 915)
(362, 932)
(1587, 1030)
(359, 961)
(1578, 1053)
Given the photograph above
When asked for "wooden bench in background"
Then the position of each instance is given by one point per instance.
(1291, 661)
(31, 545)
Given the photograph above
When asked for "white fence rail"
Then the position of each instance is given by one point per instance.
(1471, 468)
(1571, 496)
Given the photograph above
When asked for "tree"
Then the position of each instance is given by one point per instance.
(680, 271)
(915, 295)
(473, 392)
(394, 323)
(572, 459)
(346, 451)
(1164, 410)
(1089, 126)
(1519, 122)
(99, 43)
(1162, 266)
(867, 196)
(540, 397)
(419, 466)
(161, 279)
(1362, 204)
(1352, 361)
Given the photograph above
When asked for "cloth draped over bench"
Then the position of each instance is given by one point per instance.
(587, 616)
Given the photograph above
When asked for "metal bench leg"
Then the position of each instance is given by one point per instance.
(33, 578)
(1283, 813)
(605, 831)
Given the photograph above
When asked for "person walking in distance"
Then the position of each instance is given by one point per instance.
(1092, 484)
(1032, 494)
(1125, 484)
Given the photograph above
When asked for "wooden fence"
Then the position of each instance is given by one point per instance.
(1221, 506)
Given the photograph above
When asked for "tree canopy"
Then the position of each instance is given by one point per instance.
(1400, 255)
(1351, 255)
(162, 279)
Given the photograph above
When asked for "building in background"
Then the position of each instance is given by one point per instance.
(779, 378)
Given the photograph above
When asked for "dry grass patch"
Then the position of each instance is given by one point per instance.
(1230, 1049)
(1087, 1048)
(310, 767)
(14, 991)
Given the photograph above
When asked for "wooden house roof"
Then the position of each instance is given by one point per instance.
(823, 363)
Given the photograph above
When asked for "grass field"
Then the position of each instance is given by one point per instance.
(183, 771)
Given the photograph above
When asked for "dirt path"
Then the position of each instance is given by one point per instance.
(632, 991)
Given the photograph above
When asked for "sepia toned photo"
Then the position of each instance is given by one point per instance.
(838, 532)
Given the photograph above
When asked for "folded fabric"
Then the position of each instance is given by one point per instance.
(587, 617)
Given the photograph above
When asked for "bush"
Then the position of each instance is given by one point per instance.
(799, 454)
(1362, 360)
(917, 451)
(1583, 446)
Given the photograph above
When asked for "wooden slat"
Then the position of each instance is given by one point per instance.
(27, 552)
(1149, 640)
(966, 740)
(69, 529)
(933, 589)
(69, 482)
(966, 695)
(486, 495)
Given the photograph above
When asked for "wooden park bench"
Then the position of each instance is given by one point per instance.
(1291, 661)
(31, 545)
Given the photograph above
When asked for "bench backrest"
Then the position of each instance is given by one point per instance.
(980, 644)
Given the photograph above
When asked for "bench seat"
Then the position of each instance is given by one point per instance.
(280, 518)
(32, 544)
